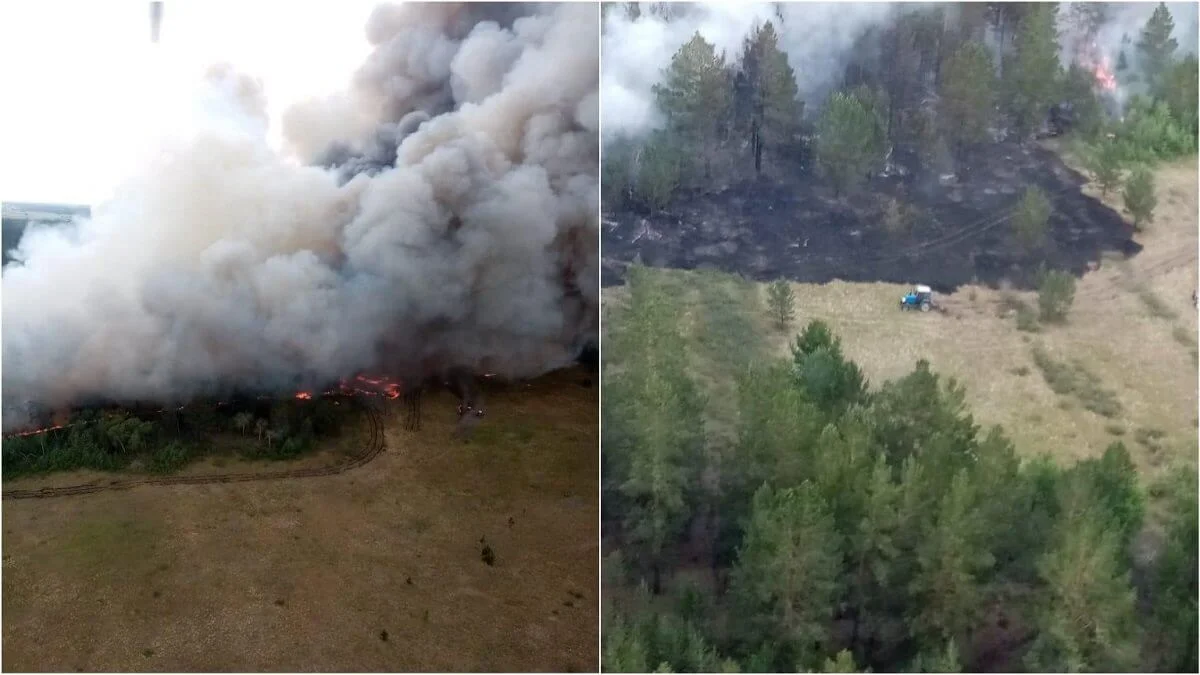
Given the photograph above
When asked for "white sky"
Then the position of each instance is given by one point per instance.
(85, 92)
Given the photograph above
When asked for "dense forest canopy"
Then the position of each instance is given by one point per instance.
(928, 83)
(839, 525)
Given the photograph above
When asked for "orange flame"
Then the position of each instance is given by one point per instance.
(39, 431)
(303, 395)
(1104, 75)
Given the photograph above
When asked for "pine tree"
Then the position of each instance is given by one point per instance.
(775, 428)
(1156, 46)
(695, 95)
(821, 370)
(921, 414)
(659, 170)
(1106, 167)
(829, 380)
(1112, 480)
(623, 650)
(1174, 615)
(659, 441)
(815, 335)
(1140, 199)
(1078, 89)
(966, 100)
(1087, 619)
(1179, 90)
(781, 302)
(768, 92)
(871, 553)
(786, 579)
(1088, 17)
(842, 663)
(945, 660)
(946, 591)
(1034, 73)
(848, 146)
(901, 74)
(1031, 218)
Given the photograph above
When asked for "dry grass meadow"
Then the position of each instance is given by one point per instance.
(1131, 333)
(376, 569)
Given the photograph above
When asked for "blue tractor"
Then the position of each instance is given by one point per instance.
(920, 297)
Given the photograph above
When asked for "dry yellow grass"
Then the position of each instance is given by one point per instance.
(1110, 330)
(306, 574)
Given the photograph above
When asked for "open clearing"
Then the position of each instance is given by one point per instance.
(1132, 332)
(376, 569)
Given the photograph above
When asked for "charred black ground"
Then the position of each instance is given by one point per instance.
(793, 228)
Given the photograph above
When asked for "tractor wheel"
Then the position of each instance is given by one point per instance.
(924, 306)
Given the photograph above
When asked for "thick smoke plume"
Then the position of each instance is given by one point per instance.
(447, 216)
(817, 37)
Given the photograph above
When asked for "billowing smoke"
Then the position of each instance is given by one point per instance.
(817, 37)
(446, 215)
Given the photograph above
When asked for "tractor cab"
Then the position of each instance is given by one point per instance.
(920, 297)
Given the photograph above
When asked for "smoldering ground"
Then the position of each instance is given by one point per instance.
(445, 212)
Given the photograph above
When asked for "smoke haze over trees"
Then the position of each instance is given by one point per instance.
(945, 80)
(446, 215)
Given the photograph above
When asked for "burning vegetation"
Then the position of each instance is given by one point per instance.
(160, 440)
(445, 216)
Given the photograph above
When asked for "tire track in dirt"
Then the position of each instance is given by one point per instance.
(375, 446)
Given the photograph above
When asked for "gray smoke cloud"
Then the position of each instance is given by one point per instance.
(451, 220)
(1126, 19)
(1119, 34)
(817, 37)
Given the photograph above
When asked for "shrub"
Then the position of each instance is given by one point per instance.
(1027, 319)
(1150, 133)
(169, 458)
(1074, 379)
(1056, 292)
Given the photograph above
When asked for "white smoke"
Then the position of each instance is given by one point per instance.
(226, 265)
(817, 38)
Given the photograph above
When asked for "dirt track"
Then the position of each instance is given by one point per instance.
(794, 229)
